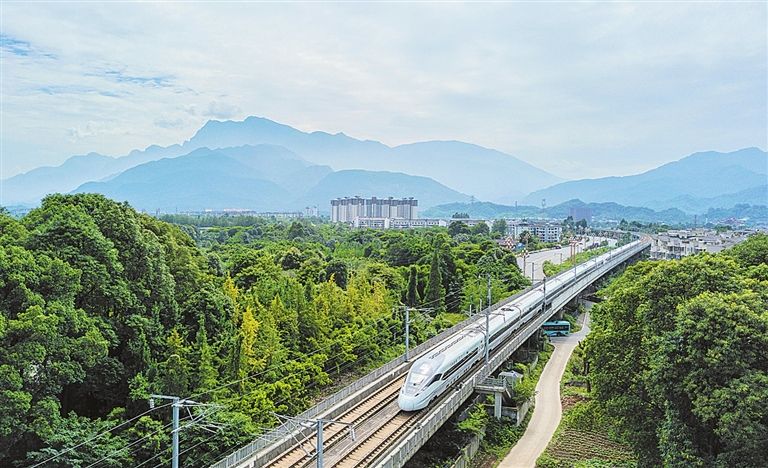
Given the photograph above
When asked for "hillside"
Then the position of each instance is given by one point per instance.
(379, 183)
(600, 212)
(203, 179)
(472, 169)
(261, 178)
(30, 187)
(696, 183)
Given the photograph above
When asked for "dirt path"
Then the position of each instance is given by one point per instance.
(547, 412)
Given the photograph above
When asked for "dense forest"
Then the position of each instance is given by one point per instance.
(678, 357)
(101, 306)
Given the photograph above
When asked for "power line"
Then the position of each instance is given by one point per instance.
(98, 435)
(131, 445)
(228, 384)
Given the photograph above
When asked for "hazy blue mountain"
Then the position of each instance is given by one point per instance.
(748, 214)
(484, 210)
(472, 169)
(203, 179)
(482, 172)
(31, 186)
(700, 176)
(600, 212)
(262, 178)
(485, 173)
(754, 196)
(380, 184)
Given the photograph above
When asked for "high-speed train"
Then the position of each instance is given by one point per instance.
(442, 365)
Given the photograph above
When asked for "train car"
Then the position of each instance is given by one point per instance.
(445, 363)
(433, 373)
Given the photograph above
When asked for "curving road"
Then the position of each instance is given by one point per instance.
(547, 412)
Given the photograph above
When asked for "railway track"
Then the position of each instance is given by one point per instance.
(378, 423)
(368, 449)
(302, 454)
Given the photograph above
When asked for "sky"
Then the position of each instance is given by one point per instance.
(578, 89)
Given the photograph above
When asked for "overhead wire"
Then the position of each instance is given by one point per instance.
(133, 443)
(99, 435)
(228, 384)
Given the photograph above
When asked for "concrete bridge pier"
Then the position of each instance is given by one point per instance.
(502, 389)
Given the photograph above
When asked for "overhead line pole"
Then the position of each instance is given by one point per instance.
(407, 331)
(177, 403)
(175, 431)
(487, 321)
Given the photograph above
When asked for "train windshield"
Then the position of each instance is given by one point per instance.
(421, 375)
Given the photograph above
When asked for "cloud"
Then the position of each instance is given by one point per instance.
(169, 122)
(95, 129)
(578, 89)
(120, 76)
(222, 110)
(21, 48)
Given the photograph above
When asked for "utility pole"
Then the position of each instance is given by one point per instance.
(487, 321)
(320, 442)
(175, 431)
(408, 327)
(533, 272)
(319, 425)
(407, 331)
(177, 403)
(525, 256)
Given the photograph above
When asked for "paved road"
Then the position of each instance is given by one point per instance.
(534, 262)
(547, 412)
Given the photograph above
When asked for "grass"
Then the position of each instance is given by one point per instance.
(586, 437)
(500, 436)
(551, 269)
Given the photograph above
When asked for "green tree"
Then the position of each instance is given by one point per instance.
(480, 229)
(412, 295)
(337, 270)
(434, 295)
(458, 227)
(678, 355)
(499, 227)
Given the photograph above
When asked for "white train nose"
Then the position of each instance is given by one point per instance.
(411, 403)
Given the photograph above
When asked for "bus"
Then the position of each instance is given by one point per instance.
(557, 328)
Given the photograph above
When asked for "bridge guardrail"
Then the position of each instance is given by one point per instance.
(284, 433)
(401, 453)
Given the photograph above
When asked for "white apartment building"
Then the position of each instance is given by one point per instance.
(397, 223)
(546, 232)
(347, 209)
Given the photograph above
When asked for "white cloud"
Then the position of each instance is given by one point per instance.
(578, 89)
(222, 110)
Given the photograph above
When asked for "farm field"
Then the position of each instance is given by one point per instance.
(586, 437)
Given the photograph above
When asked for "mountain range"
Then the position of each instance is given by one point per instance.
(263, 165)
(484, 173)
(261, 177)
(471, 169)
(609, 211)
(694, 184)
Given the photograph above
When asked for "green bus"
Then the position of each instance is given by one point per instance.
(557, 328)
